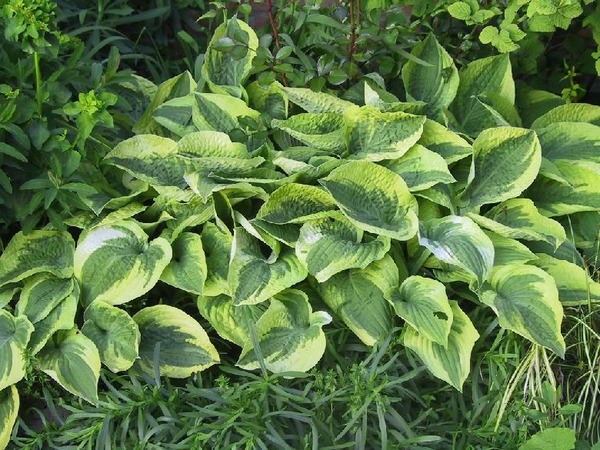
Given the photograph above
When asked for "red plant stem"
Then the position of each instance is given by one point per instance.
(354, 23)
(275, 28)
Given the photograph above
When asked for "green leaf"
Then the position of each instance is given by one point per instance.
(182, 345)
(297, 203)
(444, 142)
(116, 263)
(254, 277)
(421, 168)
(506, 161)
(423, 304)
(289, 334)
(551, 439)
(38, 251)
(373, 135)
(115, 334)
(582, 193)
(518, 218)
(316, 102)
(436, 83)
(571, 112)
(500, 39)
(460, 243)
(9, 412)
(575, 286)
(216, 244)
(329, 246)
(322, 131)
(374, 198)
(451, 363)
(223, 71)
(231, 322)
(15, 333)
(187, 269)
(460, 10)
(525, 298)
(271, 99)
(481, 77)
(176, 115)
(357, 296)
(72, 360)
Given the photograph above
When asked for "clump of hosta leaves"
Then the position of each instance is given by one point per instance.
(273, 211)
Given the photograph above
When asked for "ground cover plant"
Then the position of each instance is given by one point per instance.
(247, 218)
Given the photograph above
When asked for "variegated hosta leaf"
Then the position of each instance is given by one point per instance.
(15, 333)
(216, 244)
(286, 233)
(421, 168)
(506, 160)
(116, 263)
(328, 246)
(176, 87)
(459, 242)
(38, 251)
(289, 334)
(509, 251)
(518, 218)
(374, 198)
(150, 158)
(221, 112)
(185, 214)
(224, 72)
(8, 293)
(578, 143)
(182, 345)
(115, 334)
(294, 203)
(254, 277)
(210, 144)
(357, 296)
(373, 135)
(322, 131)
(316, 102)
(444, 142)
(575, 286)
(72, 360)
(451, 363)
(571, 112)
(585, 229)
(423, 304)
(435, 84)
(487, 75)
(525, 298)
(187, 269)
(49, 310)
(557, 199)
(41, 294)
(271, 99)
(176, 115)
(230, 322)
(9, 412)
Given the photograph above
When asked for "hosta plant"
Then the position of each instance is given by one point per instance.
(268, 212)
